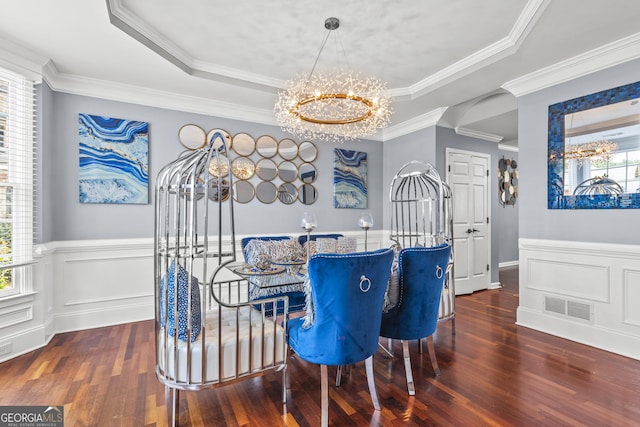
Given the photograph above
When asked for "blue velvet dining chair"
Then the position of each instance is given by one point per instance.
(344, 309)
(296, 298)
(422, 272)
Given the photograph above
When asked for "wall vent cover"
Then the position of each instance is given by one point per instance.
(555, 305)
(579, 310)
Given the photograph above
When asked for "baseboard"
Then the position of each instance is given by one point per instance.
(509, 264)
(591, 335)
(25, 341)
(89, 319)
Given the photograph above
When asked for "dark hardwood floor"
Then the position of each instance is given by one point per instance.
(494, 373)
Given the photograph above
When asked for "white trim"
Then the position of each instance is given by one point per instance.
(606, 56)
(104, 89)
(478, 134)
(508, 264)
(506, 147)
(422, 121)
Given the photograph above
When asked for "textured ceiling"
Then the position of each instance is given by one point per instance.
(230, 58)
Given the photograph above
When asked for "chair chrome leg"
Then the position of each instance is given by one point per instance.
(172, 397)
(432, 354)
(407, 368)
(372, 384)
(286, 384)
(387, 353)
(324, 389)
(339, 376)
(420, 345)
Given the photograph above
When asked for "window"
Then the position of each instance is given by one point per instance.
(17, 179)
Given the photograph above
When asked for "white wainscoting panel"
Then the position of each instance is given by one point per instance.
(93, 283)
(582, 291)
(631, 296)
(100, 283)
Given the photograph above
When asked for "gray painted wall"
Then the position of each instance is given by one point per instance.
(504, 220)
(419, 145)
(64, 218)
(538, 222)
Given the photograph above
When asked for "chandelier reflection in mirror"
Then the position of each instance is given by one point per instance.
(336, 105)
(582, 152)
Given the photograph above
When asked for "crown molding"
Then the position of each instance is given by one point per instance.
(488, 55)
(477, 134)
(422, 121)
(609, 55)
(508, 148)
(123, 19)
(21, 60)
(84, 86)
(128, 22)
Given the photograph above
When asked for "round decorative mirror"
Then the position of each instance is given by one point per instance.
(243, 167)
(266, 192)
(213, 190)
(307, 151)
(192, 137)
(287, 171)
(307, 173)
(243, 191)
(288, 149)
(307, 194)
(266, 169)
(267, 146)
(219, 166)
(218, 137)
(243, 144)
(287, 193)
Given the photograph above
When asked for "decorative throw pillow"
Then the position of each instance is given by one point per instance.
(393, 286)
(183, 304)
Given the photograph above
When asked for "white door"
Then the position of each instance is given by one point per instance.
(468, 177)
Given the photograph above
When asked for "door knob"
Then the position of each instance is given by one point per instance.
(469, 231)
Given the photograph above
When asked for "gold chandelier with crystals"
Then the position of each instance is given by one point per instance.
(333, 106)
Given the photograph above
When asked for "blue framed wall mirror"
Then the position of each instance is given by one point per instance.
(594, 151)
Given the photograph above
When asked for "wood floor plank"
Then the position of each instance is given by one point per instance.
(494, 373)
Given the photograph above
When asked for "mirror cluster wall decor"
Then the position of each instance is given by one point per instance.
(507, 182)
(264, 168)
(594, 151)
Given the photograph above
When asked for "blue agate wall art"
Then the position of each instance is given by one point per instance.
(114, 160)
(349, 179)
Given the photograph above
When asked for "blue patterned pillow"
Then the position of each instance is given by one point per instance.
(183, 296)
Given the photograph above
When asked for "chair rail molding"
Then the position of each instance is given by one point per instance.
(582, 291)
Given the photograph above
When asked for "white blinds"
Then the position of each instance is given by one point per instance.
(17, 178)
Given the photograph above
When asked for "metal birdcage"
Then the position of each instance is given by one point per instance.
(422, 215)
(207, 331)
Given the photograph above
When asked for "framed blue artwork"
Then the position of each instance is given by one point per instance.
(114, 160)
(349, 179)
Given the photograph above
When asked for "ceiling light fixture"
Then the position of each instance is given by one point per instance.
(333, 106)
